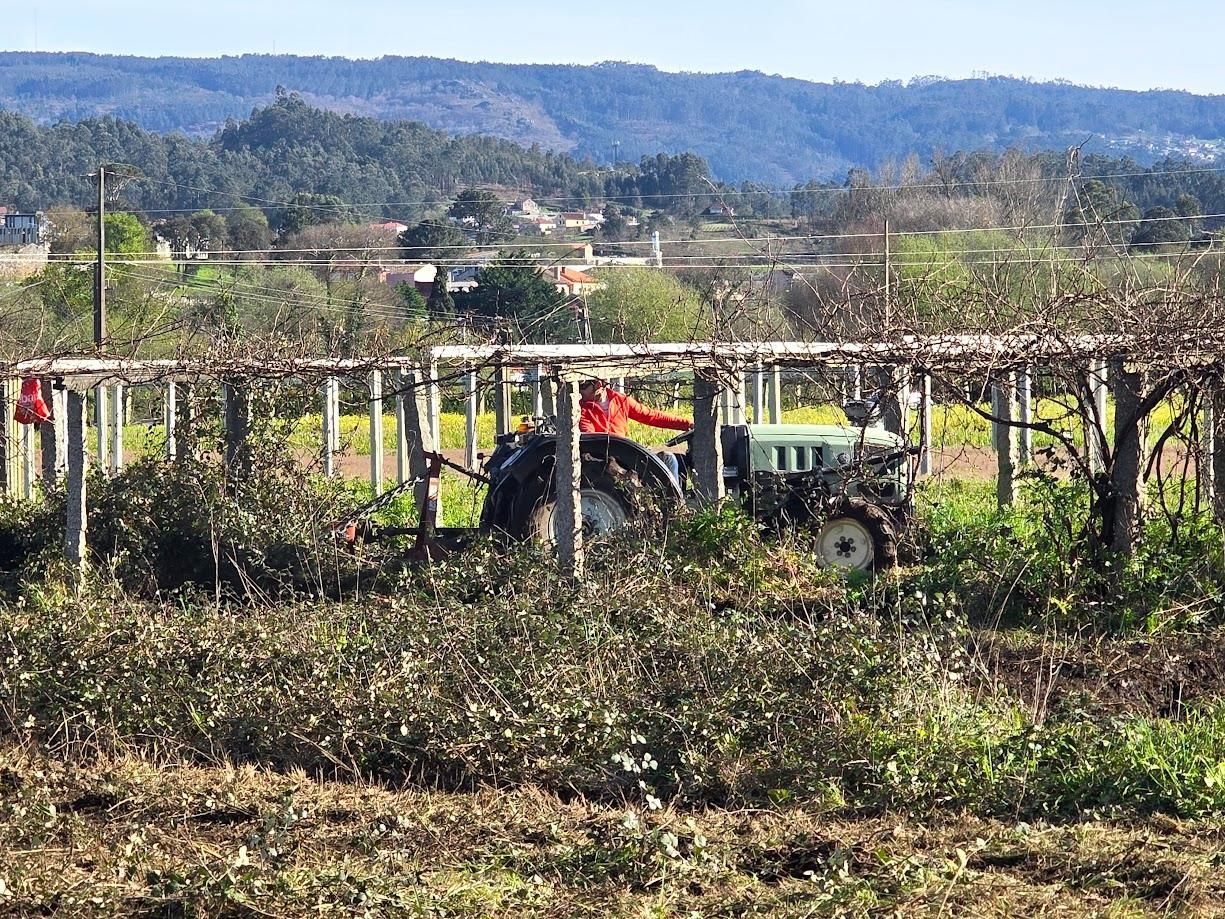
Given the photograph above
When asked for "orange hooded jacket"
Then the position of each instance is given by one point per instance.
(623, 409)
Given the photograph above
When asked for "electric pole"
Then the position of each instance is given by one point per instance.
(887, 320)
(100, 271)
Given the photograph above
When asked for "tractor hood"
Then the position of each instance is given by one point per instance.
(803, 447)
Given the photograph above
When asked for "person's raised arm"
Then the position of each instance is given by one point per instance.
(655, 418)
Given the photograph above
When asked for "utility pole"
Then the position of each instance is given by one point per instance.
(888, 303)
(100, 414)
(100, 272)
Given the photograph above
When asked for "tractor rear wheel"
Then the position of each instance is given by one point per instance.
(610, 497)
(602, 510)
(857, 537)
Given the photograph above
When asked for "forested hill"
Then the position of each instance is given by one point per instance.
(747, 125)
(289, 148)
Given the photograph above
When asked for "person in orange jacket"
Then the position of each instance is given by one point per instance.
(603, 410)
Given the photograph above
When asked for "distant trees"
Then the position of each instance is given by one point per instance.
(512, 288)
(202, 231)
(615, 226)
(679, 184)
(309, 209)
(248, 231)
(643, 304)
(71, 230)
(1160, 227)
(415, 306)
(126, 235)
(1098, 212)
(745, 125)
(484, 213)
(440, 304)
(434, 239)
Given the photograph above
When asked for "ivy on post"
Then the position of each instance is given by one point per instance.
(416, 434)
(567, 480)
(236, 396)
(1005, 439)
(707, 446)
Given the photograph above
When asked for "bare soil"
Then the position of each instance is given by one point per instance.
(122, 837)
(1160, 676)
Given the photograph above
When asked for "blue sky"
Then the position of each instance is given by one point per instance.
(1135, 45)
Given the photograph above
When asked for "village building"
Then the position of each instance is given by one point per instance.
(23, 245)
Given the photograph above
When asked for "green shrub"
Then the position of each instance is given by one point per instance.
(1033, 562)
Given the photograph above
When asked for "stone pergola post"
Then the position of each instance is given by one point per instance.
(76, 523)
(706, 448)
(1127, 469)
(375, 384)
(567, 480)
(1004, 438)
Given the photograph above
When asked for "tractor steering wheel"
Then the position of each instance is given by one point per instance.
(680, 438)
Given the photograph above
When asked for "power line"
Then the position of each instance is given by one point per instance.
(356, 251)
(379, 308)
(722, 192)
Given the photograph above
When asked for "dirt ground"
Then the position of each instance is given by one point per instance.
(121, 837)
(1160, 676)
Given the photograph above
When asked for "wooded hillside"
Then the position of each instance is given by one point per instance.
(748, 125)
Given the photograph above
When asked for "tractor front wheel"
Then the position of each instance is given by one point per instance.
(857, 537)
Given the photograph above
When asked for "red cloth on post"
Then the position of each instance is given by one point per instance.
(31, 407)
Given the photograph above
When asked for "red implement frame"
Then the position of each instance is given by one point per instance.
(431, 541)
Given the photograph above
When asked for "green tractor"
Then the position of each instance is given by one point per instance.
(848, 486)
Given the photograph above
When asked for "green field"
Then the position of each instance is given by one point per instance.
(953, 425)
